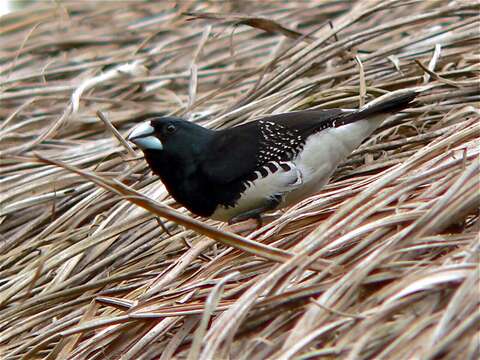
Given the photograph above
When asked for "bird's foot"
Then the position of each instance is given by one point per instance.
(256, 214)
(252, 214)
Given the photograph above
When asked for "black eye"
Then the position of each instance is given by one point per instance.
(171, 128)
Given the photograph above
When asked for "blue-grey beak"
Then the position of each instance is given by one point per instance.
(143, 135)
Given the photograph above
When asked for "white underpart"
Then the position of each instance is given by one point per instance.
(324, 151)
(278, 183)
(310, 171)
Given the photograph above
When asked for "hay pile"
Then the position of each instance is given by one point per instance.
(382, 264)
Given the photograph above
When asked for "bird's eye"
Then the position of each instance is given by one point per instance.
(171, 128)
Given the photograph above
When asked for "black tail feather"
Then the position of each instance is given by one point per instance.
(388, 103)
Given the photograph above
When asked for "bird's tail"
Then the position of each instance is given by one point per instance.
(388, 103)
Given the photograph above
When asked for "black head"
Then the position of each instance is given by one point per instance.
(170, 139)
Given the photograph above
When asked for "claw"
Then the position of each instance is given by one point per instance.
(256, 214)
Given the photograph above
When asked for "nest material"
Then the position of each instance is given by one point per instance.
(383, 263)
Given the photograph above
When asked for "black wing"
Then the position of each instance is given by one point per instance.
(236, 153)
(307, 122)
(232, 154)
(246, 148)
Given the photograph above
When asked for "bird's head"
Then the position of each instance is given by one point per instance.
(170, 138)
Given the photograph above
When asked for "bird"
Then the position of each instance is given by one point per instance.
(238, 173)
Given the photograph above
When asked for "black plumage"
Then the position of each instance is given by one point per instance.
(207, 171)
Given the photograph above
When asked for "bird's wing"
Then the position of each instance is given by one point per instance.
(312, 121)
(232, 154)
(308, 121)
(236, 153)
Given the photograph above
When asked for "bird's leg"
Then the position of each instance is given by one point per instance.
(256, 214)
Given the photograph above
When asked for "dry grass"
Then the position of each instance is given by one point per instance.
(383, 263)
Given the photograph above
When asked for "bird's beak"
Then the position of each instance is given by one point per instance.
(143, 135)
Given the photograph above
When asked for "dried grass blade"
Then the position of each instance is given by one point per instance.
(229, 239)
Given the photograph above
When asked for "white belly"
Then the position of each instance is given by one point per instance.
(324, 151)
(311, 170)
(280, 182)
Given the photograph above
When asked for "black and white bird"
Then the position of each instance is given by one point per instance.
(266, 164)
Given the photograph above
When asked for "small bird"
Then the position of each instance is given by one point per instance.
(241, 172)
